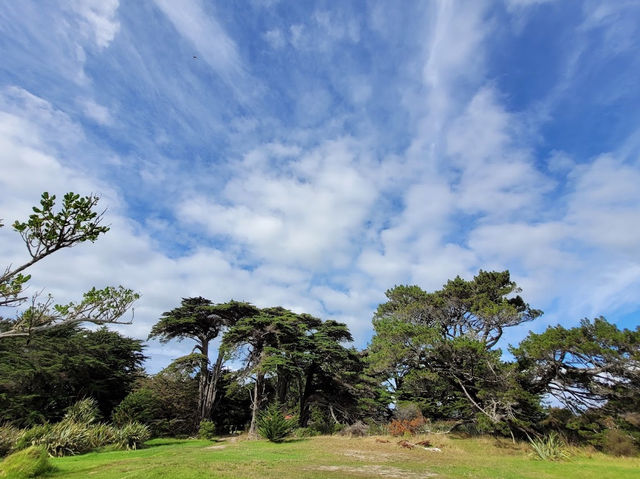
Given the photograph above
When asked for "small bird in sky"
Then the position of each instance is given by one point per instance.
(195, 57)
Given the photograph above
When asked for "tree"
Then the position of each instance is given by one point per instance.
(44, 233)
(42, 376)
(266, 338)
(438, 348)
(200, 320)
(591, 365)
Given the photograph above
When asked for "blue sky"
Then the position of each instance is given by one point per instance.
(314, 154)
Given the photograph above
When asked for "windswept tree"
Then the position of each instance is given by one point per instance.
(329, 371)
(45, 232)
(202, 321)
(263, 342)
(593, 365)
(439, 348)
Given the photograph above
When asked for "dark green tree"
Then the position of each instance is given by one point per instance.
(41, 376)
(202, 321)
(264, 343)
(45, 232)
(167, 402)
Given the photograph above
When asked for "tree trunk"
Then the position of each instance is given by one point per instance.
(256, 405)
(303, 419)
(205, 379)
(212, 387)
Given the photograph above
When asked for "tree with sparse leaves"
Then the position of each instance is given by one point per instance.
(45, 232)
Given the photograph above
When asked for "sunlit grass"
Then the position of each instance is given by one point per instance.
(340, 457)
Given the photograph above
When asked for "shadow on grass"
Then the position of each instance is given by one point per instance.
(164, 441)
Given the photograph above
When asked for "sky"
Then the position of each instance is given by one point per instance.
(313, 155)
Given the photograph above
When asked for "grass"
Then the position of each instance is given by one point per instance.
(339, 457)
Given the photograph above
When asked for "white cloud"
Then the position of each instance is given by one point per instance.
(98, 18)
(98, 113)
(275, 38)
(295, 211)
(206, 35)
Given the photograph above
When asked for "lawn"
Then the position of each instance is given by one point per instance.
(338, 457)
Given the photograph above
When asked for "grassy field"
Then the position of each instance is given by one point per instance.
(339, 457)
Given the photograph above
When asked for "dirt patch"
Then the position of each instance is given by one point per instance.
(210, 448)
(382, 471)
(369, 456)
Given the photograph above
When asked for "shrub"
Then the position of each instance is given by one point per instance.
(207, 430)
(406, 427)
(67, 438)
(273, 426)
(406, 411)
(83, 412)
(8, 438)
(549, 448)
(30, 462)
(618, 443)
(132, 435)
(139, 406)
(305, 432)
(32, 436)
(357, 429)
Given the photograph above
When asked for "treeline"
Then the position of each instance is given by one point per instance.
(434, 359)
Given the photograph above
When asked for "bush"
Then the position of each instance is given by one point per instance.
(138, 406)
(68, 438)
(618, 443)
(132, 435)
(32, 436)
(406, 427)
(84, 412)
(30, 462)
(8, 438)
(549, 448)
(357, 429)
(272, 424)
(207, 430)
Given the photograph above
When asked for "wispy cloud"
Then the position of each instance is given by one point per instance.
(314, 157)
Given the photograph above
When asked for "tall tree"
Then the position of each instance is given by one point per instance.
(45, 232)
(200, 320)
(264, 340)
(436, 345)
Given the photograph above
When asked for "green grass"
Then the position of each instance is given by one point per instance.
(338, 457)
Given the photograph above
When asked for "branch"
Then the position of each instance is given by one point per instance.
(104, 306)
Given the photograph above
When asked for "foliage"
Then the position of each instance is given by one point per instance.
(207, 430)
(44, 233)
(619, 443)
(42, 376)
(140, 405)
(437, 349)
(585, 366)
(201, 320)
(166, 402)
(132, 435)
(273, 425)
(31, 462)
(406, 427)
(84, 411)
(549, 448)
(357, 429)
(9, 435)
(31, 436)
